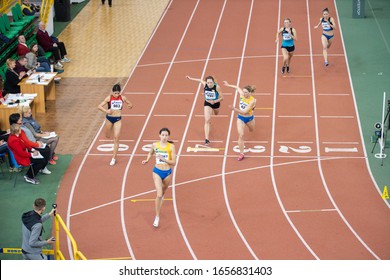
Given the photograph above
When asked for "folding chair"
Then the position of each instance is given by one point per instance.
(2, 161)
(16, 164)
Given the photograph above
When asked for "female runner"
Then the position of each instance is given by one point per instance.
(212, 101)
(328, 25)
(289, 36)
(245, 113)
(162, 171)
(113, 116)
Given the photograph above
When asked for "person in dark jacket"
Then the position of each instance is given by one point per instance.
(51, 44)
(12, 78)
(32, 228)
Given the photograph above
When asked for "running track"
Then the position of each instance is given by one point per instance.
(303, 190)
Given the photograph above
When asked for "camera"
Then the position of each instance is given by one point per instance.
(54, 205)
(378, 125)
(53, 239)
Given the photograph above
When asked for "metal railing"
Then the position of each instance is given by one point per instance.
(77, 255)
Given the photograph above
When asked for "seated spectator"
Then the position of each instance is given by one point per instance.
(25, 155)
(51, 44)
(22, 48)
(35, 128)
(30, 9)
(34, 63)
(12, 78)
(13, 166)
(27, 136)
(20, 66)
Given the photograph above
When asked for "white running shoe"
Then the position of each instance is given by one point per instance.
(156, 221)
(45, 171)
(65, 59)
(112, 162)
(59, 65)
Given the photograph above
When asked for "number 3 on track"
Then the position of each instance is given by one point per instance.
(255, 149)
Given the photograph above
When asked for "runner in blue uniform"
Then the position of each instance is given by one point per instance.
(289, 36)
(328, 25)
(212, 98)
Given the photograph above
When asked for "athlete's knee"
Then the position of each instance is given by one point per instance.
(159, 195)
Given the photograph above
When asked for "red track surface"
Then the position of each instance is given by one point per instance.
(286, 202)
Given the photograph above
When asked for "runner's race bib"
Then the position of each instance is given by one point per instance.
(210, 95)
(116, 104)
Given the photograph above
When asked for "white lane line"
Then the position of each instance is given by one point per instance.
(311, 211)
(157, 115)
(337, 117)
(318, 142)
(133, 115)
(341, 150)
(110, 140)
(178, 93)
(295, 142)
(262, 116)
(213, 116)
(110, 154)
(295, 116)
(225, 193)
(334, 94)
(295, 94)
(342, 143)
(272, 150)
(253, 141)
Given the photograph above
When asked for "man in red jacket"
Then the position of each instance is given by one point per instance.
(50, 45)
(22, 48)
(25, 155)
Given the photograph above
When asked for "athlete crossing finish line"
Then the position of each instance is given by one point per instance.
(212, 101)
(245, 113)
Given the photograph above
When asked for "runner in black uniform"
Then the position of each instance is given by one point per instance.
(212, 98)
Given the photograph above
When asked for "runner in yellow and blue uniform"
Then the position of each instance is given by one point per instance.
(162, 172)
(289, 36)
(328, 25)
(245, 113)
(212, 98)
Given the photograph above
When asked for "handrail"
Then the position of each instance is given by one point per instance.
(77, 255)
(45, 10)
(5, 5)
